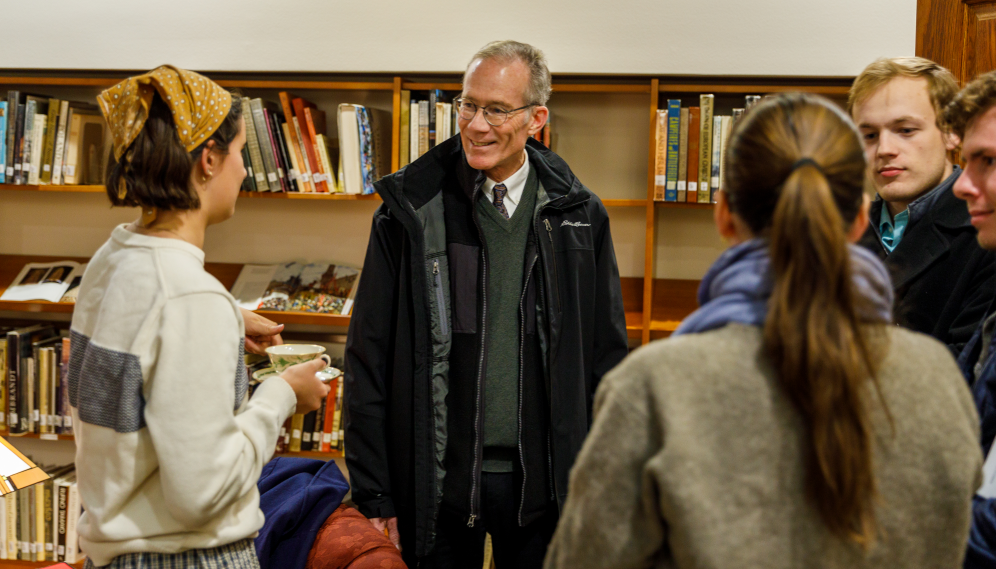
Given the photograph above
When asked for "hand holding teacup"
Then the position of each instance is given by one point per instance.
(303, 366)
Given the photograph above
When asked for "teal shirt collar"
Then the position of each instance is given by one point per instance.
(891, 229)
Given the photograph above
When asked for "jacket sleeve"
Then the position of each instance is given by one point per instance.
(367, 360)
(611, 342)
(611, 519)
(973, 309)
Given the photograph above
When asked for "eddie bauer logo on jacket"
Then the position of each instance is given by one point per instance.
(574, 224)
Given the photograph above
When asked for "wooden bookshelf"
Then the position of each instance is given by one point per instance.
(652, 307)
(13, 563)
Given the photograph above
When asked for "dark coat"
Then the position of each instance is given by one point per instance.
(417, 347)
(943, 279)
(981, 553)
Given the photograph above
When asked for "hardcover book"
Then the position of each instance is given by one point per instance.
(673, 128)
(660, 155)
(705, 147)
(693, 154)
(683, 155)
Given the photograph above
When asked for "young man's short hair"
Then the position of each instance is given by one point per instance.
(941, 83)
(975, 99)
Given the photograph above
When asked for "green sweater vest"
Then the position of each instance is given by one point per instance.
(505, 242)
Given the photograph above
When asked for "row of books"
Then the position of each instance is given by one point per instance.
(39, 523)
(51, 141)
(430, 121)
(287, 148)
(691, 149)
(317, 431)
(34, 396)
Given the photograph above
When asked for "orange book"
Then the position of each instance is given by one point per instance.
(329, 416)
(304, 177)
(310, 151)
(315, 120)
(693, 155)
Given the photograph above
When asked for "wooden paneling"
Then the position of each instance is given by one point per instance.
(940, 32)
(980, 38)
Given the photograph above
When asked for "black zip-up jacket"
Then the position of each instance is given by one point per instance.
(943, 279)
(417, 347)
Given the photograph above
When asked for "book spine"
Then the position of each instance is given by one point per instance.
(431, 122)
(49, 537)
(423, 127)
(404, 135)
(307, 430)
(693, 154)
(26, 140)
(67, 418)
(72, 519)
(63, 499)
(24, 524)
(42, 359)
(12, 98)
(3, 381)
(307, 165)
(367, 170)
(72, 149)
(48, 146)
(727, 125)
(13, 389)
(705, 147)
(683, 155)
(60, 143)
(329, 417)
(4, 113)
(319, 175)
(37, 146)
(717, 156)
(278, 161)
(673, 127)
(297, 423)
(295, 171)
(323, 156)
(38, 522)
(255, 154)
(337, 442)
(3, 525)
(265, 147)
(413, 132)
(11, 514)
(316, 433)
(19, 145)
(249, 183)
(660, 155)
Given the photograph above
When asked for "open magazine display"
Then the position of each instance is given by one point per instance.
(320, 288)
(54, 282)
(16, 470)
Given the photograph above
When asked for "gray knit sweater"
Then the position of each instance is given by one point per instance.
(694, 461)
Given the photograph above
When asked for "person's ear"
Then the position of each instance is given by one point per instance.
(951, 141)
(860, 224)
(538, 121)
(209, 161)
(721, 214)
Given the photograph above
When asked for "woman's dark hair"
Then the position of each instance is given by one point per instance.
(795, 173)
(156, 167)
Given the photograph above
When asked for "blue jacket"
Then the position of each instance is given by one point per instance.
(296, 495)
(982, 538)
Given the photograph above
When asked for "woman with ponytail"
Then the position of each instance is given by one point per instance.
(786, 423)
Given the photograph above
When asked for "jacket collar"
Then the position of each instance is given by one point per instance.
(417, 183)
(924, 242)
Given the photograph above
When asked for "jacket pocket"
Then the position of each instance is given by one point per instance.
(438, 273)
(464, 264)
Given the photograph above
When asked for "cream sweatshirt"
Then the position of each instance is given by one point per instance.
(169, 448)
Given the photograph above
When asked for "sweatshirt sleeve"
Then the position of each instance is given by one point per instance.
(208, 456)
(611, 518)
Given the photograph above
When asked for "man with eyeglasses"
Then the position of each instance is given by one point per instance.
(489, 309)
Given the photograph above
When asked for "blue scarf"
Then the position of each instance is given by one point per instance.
(738, 285)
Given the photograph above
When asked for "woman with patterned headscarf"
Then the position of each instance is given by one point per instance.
(169, 447)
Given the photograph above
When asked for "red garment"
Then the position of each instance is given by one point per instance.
(347, 540)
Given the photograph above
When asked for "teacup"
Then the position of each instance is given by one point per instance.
(286, 355)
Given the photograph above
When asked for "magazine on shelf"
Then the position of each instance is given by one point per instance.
(45, 281)
(16, 470)
(321, 288)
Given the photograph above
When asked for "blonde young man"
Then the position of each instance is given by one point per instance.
(943, 280)
(488, 312)
(972, 116)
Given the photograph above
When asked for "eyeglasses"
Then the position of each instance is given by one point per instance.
(493, 114)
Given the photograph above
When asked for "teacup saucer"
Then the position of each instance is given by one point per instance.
(265, 373)
(328, 374)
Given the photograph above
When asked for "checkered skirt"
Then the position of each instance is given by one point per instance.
(238, 555)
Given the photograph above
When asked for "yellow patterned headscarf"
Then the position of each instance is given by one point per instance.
(198, 105)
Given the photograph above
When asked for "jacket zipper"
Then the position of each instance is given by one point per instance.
(443, 321)
(475, 471)
(522, 342)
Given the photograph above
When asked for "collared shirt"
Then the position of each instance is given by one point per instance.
(891, 229)
(514, 184)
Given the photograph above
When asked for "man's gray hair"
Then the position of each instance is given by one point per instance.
(506, 51)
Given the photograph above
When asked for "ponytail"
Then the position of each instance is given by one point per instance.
(813, 336)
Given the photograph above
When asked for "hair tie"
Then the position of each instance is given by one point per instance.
(804, 161)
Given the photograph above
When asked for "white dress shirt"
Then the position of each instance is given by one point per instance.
(515, 184)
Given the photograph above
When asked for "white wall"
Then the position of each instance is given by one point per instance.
(736, 37)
